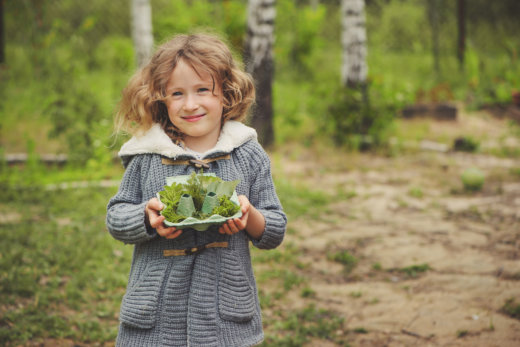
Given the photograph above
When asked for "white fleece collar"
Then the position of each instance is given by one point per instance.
(155, 140)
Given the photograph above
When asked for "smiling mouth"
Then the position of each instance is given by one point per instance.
(193, 118)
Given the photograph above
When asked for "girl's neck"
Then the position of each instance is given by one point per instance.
(200, 145)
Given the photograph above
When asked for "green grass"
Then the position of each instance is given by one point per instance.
(308, 292)
(356, 295)
(461, 333)
(416, 192)
(377, 267)
(414, 270)
(61, 274)
(511, 308)
(286, 278)
(295, 328)
(360, 330)
(299, 200)
(344, 257)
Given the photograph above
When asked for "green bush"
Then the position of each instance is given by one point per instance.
(357, 120)
(466, 144)
(473, 179)
(491, 77)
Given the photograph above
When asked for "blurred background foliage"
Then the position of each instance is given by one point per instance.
(67, 61)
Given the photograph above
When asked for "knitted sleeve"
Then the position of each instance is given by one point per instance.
(262, 195)
(126, 210)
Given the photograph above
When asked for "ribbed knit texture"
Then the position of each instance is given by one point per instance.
(208, 299)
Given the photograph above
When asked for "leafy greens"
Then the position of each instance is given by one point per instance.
(198, 186)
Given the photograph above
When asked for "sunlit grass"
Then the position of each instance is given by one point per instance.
(295, 328)
(61, 274)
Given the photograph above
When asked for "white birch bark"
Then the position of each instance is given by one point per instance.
(141, 12)
(260, 32)
(259, 63)
(354, 42)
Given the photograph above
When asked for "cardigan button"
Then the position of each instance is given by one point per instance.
(199, 164)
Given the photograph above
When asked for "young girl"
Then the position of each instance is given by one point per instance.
(188, 287)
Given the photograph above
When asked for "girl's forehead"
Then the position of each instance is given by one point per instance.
(199, 68)
(201, 72)
(186, 72)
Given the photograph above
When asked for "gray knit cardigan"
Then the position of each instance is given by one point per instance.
(205, 299)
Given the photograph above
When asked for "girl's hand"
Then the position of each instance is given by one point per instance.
(155, 220)
(233, 226)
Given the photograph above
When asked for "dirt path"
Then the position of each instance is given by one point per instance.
(406, 213)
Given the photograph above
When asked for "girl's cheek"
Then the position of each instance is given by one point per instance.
(173, 105)
(173, 113)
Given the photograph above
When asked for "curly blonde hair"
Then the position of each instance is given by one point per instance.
(143, 99)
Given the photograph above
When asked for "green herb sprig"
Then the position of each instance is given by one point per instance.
(226, 207)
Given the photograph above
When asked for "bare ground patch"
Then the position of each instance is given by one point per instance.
(405, 212)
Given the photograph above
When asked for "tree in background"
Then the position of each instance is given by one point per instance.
(354, 42)
(2, 36)
(356, 121)
(142, 30)
(461, 29)
(433, 8)
(260, 64)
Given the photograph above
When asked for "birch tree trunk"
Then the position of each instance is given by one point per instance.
(142, 30)
(260, 64)
(354, 42)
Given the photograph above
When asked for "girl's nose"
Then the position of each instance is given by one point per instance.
(190, 103)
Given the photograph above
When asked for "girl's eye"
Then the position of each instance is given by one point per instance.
(176, 93)
(202, 90)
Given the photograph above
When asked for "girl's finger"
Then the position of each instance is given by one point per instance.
(156, 221)
(232, 226)
(244, 204)
(239, 224)
(221, 229)
(175, 234)
(225, 229)
(155, 204)
(163, 231)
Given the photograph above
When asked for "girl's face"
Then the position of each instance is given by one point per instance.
(194, 106)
